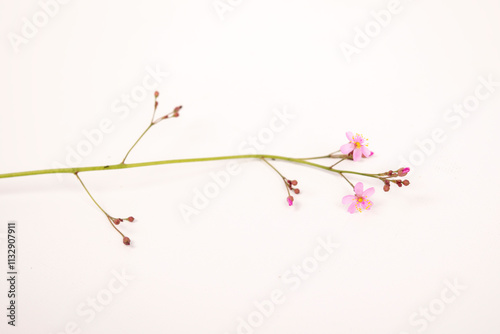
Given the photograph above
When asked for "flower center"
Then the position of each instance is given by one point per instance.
(358, 145)
(360, 199)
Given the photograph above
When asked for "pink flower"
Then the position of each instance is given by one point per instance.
(359, 201)
(357, 144)
(289, 199)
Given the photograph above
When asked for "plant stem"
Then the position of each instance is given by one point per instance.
(315, 158)
(277, 171)
(147, 129)
(341, 174)
(92, 197)
(88, 192)
(331, 155)
(335, 164)
(178, 161)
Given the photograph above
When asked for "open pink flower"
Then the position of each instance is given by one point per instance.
(357, 145)
(359, 201)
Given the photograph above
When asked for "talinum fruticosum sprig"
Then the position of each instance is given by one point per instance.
(355, 150)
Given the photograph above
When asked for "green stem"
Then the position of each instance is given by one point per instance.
(347, 180)
(92, 197)
(177, 161)
(88, 192)
(126, 155)
(277, 171)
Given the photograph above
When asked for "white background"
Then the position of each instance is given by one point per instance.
(231, 71)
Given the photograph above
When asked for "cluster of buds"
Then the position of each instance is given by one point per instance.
(174, 113)
(388, 178)
(291, 184)
(117, 221)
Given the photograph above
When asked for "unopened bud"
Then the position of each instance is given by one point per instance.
(126, 241)
(387, 188)
(296, 190)
(294, 182)
(157, 94)
(403, 171)
(406, 182)
(130, 219)
(289, 199)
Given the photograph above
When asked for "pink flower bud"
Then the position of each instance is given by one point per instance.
(130, 219)
(403, 171)
(126, 241)
(157, 94)
(289, 199)
(296, 190)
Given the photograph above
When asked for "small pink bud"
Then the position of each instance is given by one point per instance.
(406, 182)
(126, 240)
(399, 183)
(403, 171)
(294, 182)
(289, 199)
(130, 219)
(156, 104)
(116, 221)
(157, 94)
(296, 190)
(177, 109)
(387, 188)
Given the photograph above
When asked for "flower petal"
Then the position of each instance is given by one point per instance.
(368, 204)
(366, 152)
(358, 189)
(348, 199)
(347, 148)
(368, 192)
(349, 136)
(356, 155)
(352, 208)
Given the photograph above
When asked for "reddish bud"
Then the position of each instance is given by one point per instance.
(157, 94)
(130, 219)
(156, 104)
(126, 241)
(289, 199)
(294, 182)
(406, 182)
(390, 172)
(116, 221)
(177, 109)
(403, 171)
(176, 114)
(387, 188)
(296, 190)
(399, 183)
